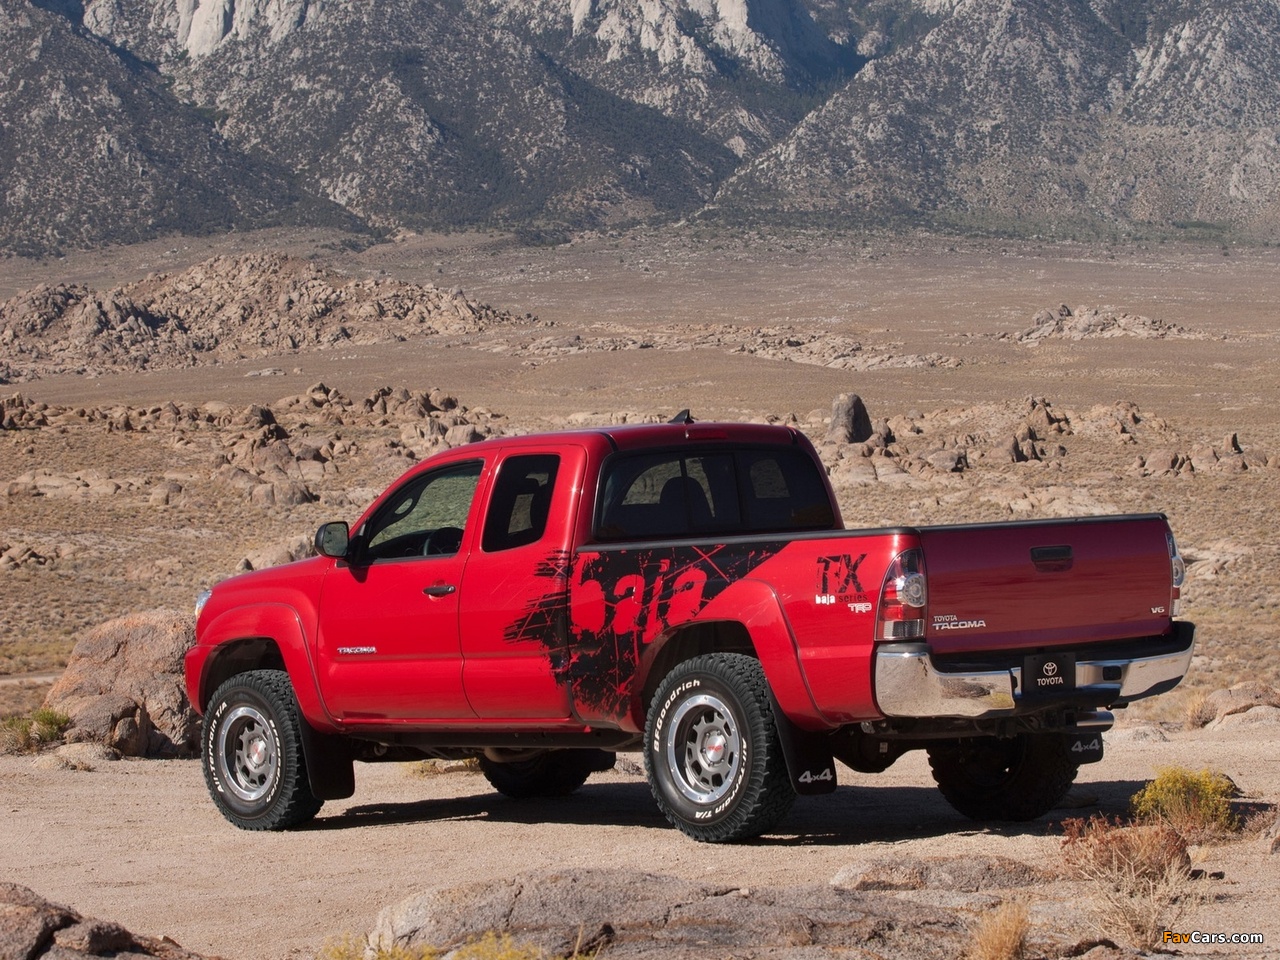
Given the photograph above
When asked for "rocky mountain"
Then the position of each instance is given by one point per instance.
(96, 149)
(1062, 117)
(422, 114)
(1054, 117)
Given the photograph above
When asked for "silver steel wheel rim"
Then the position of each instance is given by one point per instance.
(248, 756)
(703, 749)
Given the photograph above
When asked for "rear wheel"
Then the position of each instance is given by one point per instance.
(1015, 779)
(554, 773)
(712, 753)
(253, 761)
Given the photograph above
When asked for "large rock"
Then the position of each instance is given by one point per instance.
(1237, 699)
(32, 927)
(634, 915)
(850, 422)
(123, 686)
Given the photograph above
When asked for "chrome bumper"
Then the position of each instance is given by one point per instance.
(908, 684)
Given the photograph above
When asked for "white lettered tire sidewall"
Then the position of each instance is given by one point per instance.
(711, 750)
(252, 753)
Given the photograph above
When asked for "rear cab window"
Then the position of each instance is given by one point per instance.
(697, 492)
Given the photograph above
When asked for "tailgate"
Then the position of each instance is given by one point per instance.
(1046, 583)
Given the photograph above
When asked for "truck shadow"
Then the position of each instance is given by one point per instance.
(862, 813)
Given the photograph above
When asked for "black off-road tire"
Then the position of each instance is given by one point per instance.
(252, 756)
(712, 753)
(555, 773)
(1017, 779)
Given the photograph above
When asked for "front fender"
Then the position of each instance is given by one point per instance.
(276, 622)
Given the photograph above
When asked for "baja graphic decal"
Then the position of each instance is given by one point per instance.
(838, 583)
(623, 600)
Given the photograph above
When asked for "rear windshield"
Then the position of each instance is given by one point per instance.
(688, 493)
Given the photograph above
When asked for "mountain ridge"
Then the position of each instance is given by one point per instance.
(1031, 117)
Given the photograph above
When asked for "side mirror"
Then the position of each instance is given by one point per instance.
(333, 540)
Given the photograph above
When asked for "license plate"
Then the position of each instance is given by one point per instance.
(1045, 674)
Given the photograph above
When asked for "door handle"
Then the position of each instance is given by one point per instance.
(439, 589)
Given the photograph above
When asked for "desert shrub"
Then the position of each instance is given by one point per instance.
(1140, 875)
(1199, 712)
(350, 947)
(1001, 934)
(29, 734)
(1196, 805)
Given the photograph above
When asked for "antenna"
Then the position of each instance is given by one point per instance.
(682, 417)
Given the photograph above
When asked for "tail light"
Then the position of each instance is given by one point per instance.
(903, 597)
(1177, 573)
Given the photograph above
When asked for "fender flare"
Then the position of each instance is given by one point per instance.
(276, 622)
(754, 605)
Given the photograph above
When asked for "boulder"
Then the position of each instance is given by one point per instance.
(32, 927)
(124, 688)
(973, 874)
(1243, 696)
(631, 915)
(850, 422)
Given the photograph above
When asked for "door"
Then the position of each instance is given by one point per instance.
(388, 638)
(515, 590)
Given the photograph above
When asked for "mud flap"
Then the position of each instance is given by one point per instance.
(1085, 746)
(330, 764)
(810, 763)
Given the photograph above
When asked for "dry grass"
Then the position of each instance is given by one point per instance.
(491, 946)
(436, 768)
(1198, 711)
(1140, 876)
(1001, 934)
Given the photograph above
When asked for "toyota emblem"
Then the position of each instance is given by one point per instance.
(1050, 668)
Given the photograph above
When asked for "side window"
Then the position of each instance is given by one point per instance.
(784, 492)
(425, 517)
(520, 502)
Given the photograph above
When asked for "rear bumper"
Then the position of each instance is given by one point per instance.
(909, 683)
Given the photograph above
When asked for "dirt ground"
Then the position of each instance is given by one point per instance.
(139, 842)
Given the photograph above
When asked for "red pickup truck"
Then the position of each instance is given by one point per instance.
(688, 591)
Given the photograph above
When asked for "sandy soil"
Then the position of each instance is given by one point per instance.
(140, 842)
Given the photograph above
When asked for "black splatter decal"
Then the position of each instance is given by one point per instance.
(623, 600)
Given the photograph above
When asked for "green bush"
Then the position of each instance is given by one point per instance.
(1197, 805)
(30, 734)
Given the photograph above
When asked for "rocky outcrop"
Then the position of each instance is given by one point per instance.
(32, 928)
(638, 916)
(964, 874)
(124, 686)
(224, 309)
(1099, 323)
(1216, 707)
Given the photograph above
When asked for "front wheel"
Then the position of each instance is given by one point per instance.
(712, 753)
(1018, 779)
(253, 760)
